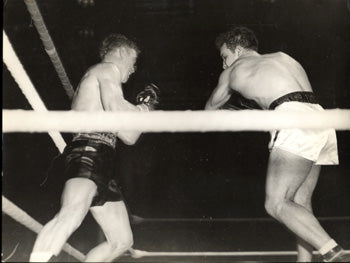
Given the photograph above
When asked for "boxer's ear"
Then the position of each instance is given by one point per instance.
(123, 52)
(239, 50)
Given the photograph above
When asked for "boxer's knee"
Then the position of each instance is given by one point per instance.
(270, 206)
(275, 207)
(121, 241)
(303, 200)
(118, 246)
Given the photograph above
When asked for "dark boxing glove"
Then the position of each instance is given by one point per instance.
(149, 96)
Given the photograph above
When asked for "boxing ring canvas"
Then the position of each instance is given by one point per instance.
(194, 183)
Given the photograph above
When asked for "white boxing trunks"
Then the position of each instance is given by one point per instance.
(319, 146)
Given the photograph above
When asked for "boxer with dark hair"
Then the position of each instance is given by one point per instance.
(278, 82)
(89, 160)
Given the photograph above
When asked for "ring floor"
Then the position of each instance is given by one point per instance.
(266, 235)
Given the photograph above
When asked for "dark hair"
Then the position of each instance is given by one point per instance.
(115, 41)
(238, 36)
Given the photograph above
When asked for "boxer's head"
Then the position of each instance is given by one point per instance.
(122, 51)
(115, 41)
(232, 42)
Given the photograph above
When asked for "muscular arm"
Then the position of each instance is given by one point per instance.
(112, 96)
(112, 99)
(221, 94)
(100, 89)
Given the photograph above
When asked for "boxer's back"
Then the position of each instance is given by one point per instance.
(264, 78)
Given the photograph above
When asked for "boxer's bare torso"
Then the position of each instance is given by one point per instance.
(262, 78)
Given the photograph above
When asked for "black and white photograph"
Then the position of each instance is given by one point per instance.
(187, 131)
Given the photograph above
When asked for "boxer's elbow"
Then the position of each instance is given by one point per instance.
(209, 106)
(129, 138)
(130, 141)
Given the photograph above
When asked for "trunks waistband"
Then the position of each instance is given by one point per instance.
(301, 96)
(97, 145)
(97, 137)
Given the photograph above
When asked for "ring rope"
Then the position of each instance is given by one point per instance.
(140, 253)
(139, 220)
(49, 46)
(20, 76)
(11, 254)
(22, 217)
(172, 121)
(17, 71)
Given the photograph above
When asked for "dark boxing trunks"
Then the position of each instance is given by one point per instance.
(96, 161)
(301, 96)
(107, 138)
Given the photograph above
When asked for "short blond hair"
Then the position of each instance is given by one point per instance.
(116, 41)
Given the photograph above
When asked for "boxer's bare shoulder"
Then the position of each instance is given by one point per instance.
(100, 76)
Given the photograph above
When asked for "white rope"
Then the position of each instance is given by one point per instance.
(19, 74)
(172, 121)
(22, 217)
(139, 253)
(11, 254)
(139, 220)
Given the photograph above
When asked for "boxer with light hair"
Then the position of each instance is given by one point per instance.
(278, 82)
(89, 160)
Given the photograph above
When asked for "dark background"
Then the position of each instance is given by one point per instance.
(176, 175)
